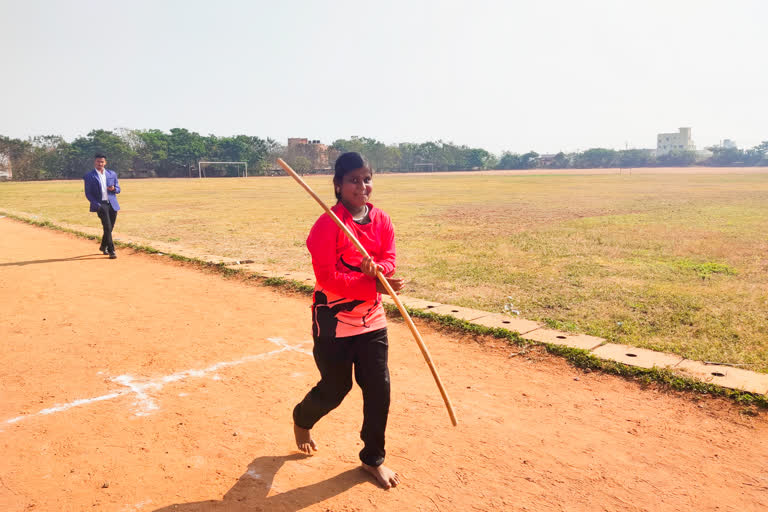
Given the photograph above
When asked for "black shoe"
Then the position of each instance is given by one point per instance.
(112, 256)
(104, 251)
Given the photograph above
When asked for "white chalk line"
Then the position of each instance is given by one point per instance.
(141, 387)
(136, 507)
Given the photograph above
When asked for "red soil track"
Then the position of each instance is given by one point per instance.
(534, 433)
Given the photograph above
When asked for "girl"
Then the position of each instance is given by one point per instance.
(349, 326)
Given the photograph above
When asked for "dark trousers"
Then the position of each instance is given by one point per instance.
(335, 358)
(108, 217)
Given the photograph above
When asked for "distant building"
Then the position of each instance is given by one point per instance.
(681, 141)
(297, 142)
(547, 159)
(729, 144)
(318, 154)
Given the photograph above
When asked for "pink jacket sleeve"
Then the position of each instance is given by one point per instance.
(387, 256)
(321, 243)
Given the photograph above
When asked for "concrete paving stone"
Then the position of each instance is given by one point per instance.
(636, 356)
(459, 312)
(208, 258)
(235, 261)
(252, 267)
(386, 299)
(518, 325)
(415, 303)
(581, 341)
(164, 250)
(259, 270)
(301, 277)
(284, 275)
(726, 376)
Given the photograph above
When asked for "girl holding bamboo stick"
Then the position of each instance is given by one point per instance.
(349, 326)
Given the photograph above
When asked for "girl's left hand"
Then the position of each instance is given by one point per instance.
(370, 268)
(395, 283)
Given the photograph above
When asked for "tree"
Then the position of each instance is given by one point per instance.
(301, 164)
(514, 161)
(152, 151)
(677, 158)
(274, 150)
(49, 156)
(594, 158)
(529, 160)
(78, 156)
(408, 156)
(561, 161)
(18, 157)
(477, 158)
(758, 155)
(725, 156)
(184, 151)
(509, 161)
(634, 158)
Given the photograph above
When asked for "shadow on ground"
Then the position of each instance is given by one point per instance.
(35, 262)
(250, 493)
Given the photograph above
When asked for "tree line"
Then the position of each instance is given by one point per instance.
(630, 158)
(176, 154)
(443, 156)
(131, 152)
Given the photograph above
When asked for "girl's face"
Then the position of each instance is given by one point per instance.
(356, 188)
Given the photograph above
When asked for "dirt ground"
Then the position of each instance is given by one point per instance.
(138, 384)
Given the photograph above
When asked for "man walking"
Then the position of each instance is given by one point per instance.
(101, 189)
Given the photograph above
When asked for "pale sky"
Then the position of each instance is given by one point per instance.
(544, 75)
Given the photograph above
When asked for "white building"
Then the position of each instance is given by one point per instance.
(681, 141)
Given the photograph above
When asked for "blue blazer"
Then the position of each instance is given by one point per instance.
(93, 189)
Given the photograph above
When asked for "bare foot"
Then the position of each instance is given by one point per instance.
(386, 477)
(304, 441)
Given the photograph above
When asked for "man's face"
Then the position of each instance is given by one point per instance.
(100, 163)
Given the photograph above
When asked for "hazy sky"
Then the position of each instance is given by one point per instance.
(503, 75)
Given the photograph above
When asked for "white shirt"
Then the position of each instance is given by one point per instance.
(103, 180)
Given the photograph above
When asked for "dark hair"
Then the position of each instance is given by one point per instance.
(99, 155)
(346, 163)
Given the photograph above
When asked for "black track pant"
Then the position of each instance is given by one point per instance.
(108, 217)
(336, 358)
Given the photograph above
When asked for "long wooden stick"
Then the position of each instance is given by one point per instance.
(386, 285)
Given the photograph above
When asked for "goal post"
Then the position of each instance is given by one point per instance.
(201, 163)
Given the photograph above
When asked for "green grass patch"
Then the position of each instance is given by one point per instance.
(705, 270)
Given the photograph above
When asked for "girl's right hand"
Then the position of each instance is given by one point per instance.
(396, 284)
(370, 268)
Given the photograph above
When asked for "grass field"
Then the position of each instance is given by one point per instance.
(671, 262)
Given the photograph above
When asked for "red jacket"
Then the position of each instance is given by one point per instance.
(345, 301)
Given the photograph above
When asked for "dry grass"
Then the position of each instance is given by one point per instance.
(673, 262)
